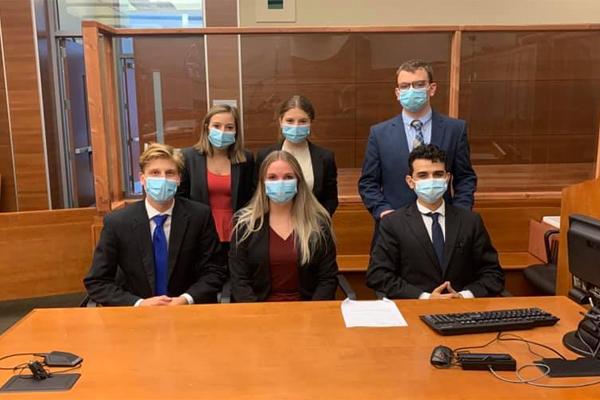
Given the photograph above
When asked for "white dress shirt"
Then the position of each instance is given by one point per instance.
(153, 212)
(428, 221)
(302, 154)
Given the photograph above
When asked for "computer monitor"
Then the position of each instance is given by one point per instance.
(583, 240)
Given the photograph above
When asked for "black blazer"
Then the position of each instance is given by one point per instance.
(324, 170)
(194, 185)
(403, 262)
(251, 275)
(122, 269)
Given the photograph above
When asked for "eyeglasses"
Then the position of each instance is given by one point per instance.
(414, 84)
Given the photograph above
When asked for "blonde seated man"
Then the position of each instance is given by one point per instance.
(159, 251)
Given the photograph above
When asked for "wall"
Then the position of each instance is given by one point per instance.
(22, 91)
(432, 12)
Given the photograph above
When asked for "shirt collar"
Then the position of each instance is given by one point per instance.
(424, 119)
(152, 212)
(440, 210)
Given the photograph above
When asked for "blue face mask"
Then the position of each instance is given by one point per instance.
(281, 191)
(160, 189)
(431, 190)
(295, 133)
(220, 139)
(413, 99)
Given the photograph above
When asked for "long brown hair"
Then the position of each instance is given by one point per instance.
(235, 152)
(310, 220)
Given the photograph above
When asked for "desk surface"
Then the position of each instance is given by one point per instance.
(276, 351)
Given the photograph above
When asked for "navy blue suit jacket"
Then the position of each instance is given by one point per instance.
(382, 184)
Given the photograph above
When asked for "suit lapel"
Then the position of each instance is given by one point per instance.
(317, 165)
(398, 130)
(415, 221)
(179, 223)
(141, 231)
(438, 130)
(203, 182)
(235, 184)
(452, 228)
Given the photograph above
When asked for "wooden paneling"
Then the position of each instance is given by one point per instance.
(455, 74)
(97, 114)
(220, 13)
(533, 95)
(350, 78)
(223, 68)
(8, 197)
(112, 120)
(44, 252)
(24, 104)
(583, 198)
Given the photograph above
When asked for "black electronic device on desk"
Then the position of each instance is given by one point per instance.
(489, 321)
(583, 240)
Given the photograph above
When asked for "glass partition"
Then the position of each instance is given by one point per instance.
(532, 101)
(349, 77)
(130, 13)
(163, 89)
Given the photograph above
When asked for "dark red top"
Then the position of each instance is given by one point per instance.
(283, 263)
(219, 198)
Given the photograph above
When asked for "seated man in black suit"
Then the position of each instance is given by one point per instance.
(430, 249)
(159, 251)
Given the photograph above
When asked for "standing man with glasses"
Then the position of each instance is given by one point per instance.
(382, 186)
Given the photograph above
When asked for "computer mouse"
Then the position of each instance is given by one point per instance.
(441, 357)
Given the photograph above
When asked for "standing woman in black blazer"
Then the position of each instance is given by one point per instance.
(295, 116)
(282, 246)
(218, 171)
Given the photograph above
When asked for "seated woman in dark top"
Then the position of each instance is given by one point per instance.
(282, 244)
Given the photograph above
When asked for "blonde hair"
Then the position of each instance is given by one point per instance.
(310, 220)
(235, 152)
(156, 151)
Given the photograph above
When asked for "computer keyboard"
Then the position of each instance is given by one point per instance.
(489, 321)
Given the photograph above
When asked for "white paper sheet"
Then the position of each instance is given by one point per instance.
(371, 313)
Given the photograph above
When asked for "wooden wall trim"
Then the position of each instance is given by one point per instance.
(455, 52)
(96, 112)
(37, 261)
(113, 133)
(342, 29)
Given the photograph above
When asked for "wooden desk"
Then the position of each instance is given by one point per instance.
(276, 351)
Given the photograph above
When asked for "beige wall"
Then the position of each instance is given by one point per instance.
(431, 12)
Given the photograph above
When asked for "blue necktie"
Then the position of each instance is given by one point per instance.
(161, 255)
(418, 127)
(437, 237)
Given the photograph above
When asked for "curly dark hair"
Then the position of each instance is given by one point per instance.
(426, 152)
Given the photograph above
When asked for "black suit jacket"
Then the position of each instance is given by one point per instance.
(403, 262)
(324, 170)
(122, 269)
(194, 185)
(251, 274)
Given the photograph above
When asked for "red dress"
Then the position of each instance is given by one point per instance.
(219, 198)
(283, 263)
